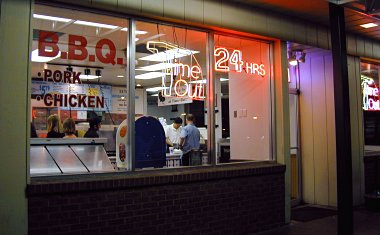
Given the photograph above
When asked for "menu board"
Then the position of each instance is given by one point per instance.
(41, 88)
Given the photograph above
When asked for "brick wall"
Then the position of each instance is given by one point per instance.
(216, 200)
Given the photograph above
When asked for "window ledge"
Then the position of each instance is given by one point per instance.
(110, 181)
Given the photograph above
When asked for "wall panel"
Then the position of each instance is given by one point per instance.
(330, 128)
(194, 11)
(212, 13)
(155, 7)
(306, 127)
(318, 129)
(357, 136)
(131, 5)
(174, 9)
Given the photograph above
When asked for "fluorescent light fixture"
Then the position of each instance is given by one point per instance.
(82, 76)
(169, 55)
(87, 23)
(159, 66)
(37, 58)
(203, 81)
(369, 25)
(150, 75)
(224, 79)
(154, 89)
(154, 95)
(52, 18)
(137, 31)
(120, 76)
(138, 85)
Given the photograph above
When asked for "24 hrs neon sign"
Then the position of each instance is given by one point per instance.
(232, 62)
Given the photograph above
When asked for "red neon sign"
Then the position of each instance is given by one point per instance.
(224, 60)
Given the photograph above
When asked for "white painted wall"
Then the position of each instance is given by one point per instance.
(317, 123)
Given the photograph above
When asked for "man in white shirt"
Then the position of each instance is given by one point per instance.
(173, 132)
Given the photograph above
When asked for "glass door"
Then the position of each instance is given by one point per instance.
(295, 153)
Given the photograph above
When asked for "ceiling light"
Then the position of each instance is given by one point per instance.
(369, 25)
(120, 76)
(224, 79)
(154, 95)
(137, 31)
(37, 58)
(154, 89)
(292, 58)
(52, 18)
(169, 55)
(138, 85)
(150, 75)
(87, 23)
(82, 76)
(159, 66)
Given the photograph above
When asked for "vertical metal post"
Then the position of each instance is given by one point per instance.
(342, 120)
(211, 99)
(131, 50)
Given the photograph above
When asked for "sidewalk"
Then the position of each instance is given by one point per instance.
(365, 223)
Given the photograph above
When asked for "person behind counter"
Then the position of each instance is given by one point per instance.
(69, 128)
(189, 139)
(172, 133)
(92, 132)
(53, 127)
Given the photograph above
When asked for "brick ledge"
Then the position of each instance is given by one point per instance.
(111, 181)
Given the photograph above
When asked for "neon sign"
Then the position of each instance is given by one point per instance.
(371, 100)
(224, 60)
(183, 78)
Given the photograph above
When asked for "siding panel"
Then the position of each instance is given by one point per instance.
(174, 9)
(194, 11)
(155, 7)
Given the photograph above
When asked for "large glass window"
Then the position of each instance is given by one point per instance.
(171, 73)
(81, 86)
(79, 93)
(243, 101)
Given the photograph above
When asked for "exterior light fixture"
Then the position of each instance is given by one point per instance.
(296, 56)
(369, 25)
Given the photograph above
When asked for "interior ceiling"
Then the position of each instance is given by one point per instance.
(356, 12)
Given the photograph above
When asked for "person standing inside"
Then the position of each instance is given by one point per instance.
(189, 139)
(92, 132)
(53, 127)
(173, 132)
(69, 128)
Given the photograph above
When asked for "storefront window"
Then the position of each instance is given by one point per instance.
(243, 100)
(78, 67)
(371, 103)
(171, 75)
(79, 95)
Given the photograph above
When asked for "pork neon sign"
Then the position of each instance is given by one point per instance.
(371, 100)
